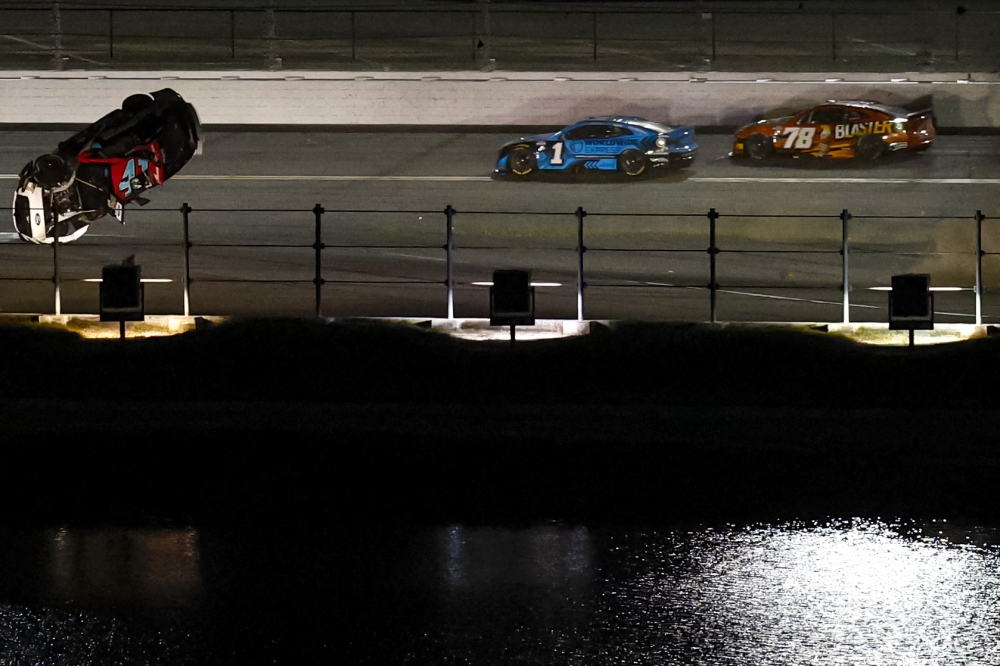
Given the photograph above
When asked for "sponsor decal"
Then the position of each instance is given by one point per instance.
(824, 139)
(856, 129)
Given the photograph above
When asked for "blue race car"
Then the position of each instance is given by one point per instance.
(626, 144)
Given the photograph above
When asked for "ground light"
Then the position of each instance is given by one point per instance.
(88, 326)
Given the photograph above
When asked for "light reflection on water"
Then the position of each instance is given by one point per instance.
(147, 567)
(852, 592)
(86, 584)
(841, 593)
(543, 555)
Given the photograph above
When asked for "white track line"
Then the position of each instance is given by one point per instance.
(866, 181)
(339, 178)
(801, 300)
(696, 179)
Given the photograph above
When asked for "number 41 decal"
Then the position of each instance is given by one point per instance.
(800, 137)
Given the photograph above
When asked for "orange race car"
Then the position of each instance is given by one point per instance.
(862, 130)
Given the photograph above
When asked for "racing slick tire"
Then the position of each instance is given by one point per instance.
(522, 161)
(869, 147)
(758, 147)
(52, 172)
(136, 103)
(632, 163)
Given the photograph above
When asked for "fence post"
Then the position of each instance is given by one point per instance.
(232, 33)
(318, 246)
(57, 51)
(580, 249)
(111, 34)
(844, 219)
(273, 60)
(354, 55)
(713, 285)
(833, 36)
(979, 267)
(957, 14)
(595, 36)
(55, 268)
(185, 209)
(449, 247)
(713, 36)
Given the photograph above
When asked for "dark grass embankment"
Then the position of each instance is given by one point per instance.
(298, 421)
(365, 362)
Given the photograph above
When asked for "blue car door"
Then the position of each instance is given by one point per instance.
(596, 141)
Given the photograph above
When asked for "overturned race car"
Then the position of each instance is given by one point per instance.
(861, 130)
(625, 144)
(106, 166)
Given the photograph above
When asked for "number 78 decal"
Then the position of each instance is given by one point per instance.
(800, 137)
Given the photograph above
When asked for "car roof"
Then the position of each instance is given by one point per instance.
(866, 104)
(627, 120)
(632, 121)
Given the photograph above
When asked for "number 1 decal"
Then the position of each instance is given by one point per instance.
(800, 137)
(557, 154)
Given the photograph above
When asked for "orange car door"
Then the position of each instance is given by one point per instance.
(799, 135)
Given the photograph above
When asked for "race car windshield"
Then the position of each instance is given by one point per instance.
(650, 125)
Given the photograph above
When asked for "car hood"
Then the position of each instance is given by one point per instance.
(31, 209)
(530, 139)
(781, 120)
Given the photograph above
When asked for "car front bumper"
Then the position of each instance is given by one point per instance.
(672, 159)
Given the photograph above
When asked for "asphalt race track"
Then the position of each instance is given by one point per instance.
(646, 239)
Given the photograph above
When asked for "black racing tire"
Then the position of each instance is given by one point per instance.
(758, 146)
(869, 147)
(52, 172)
(632, 163)
(135, 104)
(521, 161)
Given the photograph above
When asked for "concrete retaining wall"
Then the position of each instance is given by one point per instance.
(961, 100)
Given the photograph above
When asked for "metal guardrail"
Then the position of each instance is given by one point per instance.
(515, 36)
(448, 282)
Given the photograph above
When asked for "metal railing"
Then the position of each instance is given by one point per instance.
(512, 36)
(310, 259)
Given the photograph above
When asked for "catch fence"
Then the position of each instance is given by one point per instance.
(625, 37)
(699, 266)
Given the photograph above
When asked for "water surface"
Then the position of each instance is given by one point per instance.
(838, 592)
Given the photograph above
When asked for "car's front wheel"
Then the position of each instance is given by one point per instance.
(758, 146)
(522, 162)
(632, 163)
(52, 172)
(869, 147)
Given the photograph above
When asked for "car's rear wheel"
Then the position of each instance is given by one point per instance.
(869, 147)
(137, 103)
(522, 162)
(632, 163)
(758, 146)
